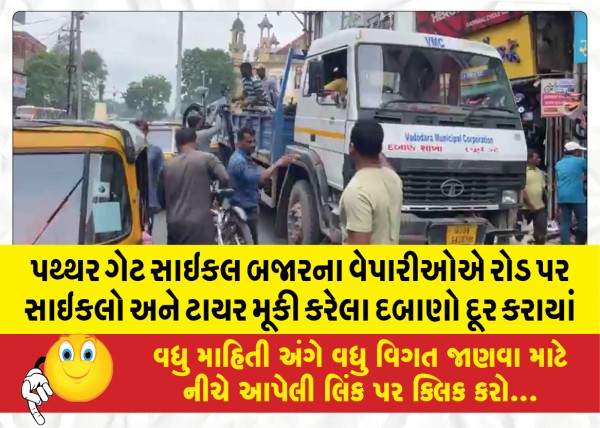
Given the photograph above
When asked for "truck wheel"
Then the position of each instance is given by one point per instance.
(302, 216)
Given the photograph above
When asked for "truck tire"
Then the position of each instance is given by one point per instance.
(302, 216)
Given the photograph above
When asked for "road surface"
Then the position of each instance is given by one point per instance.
(266, 233)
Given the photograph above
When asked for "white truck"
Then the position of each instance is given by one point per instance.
(452, 132)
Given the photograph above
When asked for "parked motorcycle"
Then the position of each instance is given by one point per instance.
(231, 221)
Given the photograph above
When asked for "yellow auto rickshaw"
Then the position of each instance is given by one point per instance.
(79, 182)
(162, 134)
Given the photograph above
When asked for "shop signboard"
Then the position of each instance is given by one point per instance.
(559, 97)
(19, 85)
(514, 43)
(459, 24)
(580, 38)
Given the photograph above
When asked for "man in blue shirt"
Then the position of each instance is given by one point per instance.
(246, 177)
(571, 172)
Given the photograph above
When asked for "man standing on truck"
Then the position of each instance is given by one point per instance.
(533, 198)
(571, 172)
(184, 191)
(247, 177)
(371, 204)
(269, 86)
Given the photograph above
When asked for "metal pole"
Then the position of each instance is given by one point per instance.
(70, 66)
(79, 65)
(178, 83)
(204, 91)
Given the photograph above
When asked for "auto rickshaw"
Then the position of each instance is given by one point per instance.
(79, 182)
(162, 134)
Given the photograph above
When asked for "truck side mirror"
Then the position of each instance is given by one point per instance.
(315, 77)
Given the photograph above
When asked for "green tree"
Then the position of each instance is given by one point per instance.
(94, 71)
(150, 96)
(47, 79)
(218, 70)
(133, 96)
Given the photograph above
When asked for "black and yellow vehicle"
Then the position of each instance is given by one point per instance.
(79, 182)
(162, 134)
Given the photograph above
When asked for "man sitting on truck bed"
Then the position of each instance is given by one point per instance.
(371, 205)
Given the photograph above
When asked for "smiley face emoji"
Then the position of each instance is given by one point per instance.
(79, 367)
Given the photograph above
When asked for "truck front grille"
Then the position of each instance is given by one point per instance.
(425, 188)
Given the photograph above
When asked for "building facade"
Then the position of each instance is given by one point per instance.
(269, 54)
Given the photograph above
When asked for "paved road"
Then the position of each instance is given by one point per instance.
(265, 228)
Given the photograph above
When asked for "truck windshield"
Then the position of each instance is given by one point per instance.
(391, 77)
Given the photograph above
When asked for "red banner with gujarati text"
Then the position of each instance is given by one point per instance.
(459, 24)
(519, 373)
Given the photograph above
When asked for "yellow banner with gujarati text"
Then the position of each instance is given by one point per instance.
(300, 290)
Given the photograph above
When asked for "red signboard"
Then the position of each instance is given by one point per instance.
(459, 24)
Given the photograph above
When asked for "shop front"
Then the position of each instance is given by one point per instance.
(515, 43)
(534, 46)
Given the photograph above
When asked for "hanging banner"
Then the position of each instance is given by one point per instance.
(580, 38)
(19, 85)
(514, 44)
(459, 24)
(559, 98)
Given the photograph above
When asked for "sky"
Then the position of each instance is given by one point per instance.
(135, 44)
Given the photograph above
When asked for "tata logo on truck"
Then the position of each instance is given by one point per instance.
(435, 42)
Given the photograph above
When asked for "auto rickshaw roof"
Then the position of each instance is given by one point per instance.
(132, 138)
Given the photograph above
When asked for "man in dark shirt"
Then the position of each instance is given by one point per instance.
(247, 177)
(184, 191)
(155, 165)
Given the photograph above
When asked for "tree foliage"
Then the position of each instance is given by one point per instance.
(218, 69)
(47, 78)
(150, 96)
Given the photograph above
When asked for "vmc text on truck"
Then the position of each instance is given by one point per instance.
(452, 133)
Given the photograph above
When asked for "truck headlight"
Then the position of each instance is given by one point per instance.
(510, 197)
